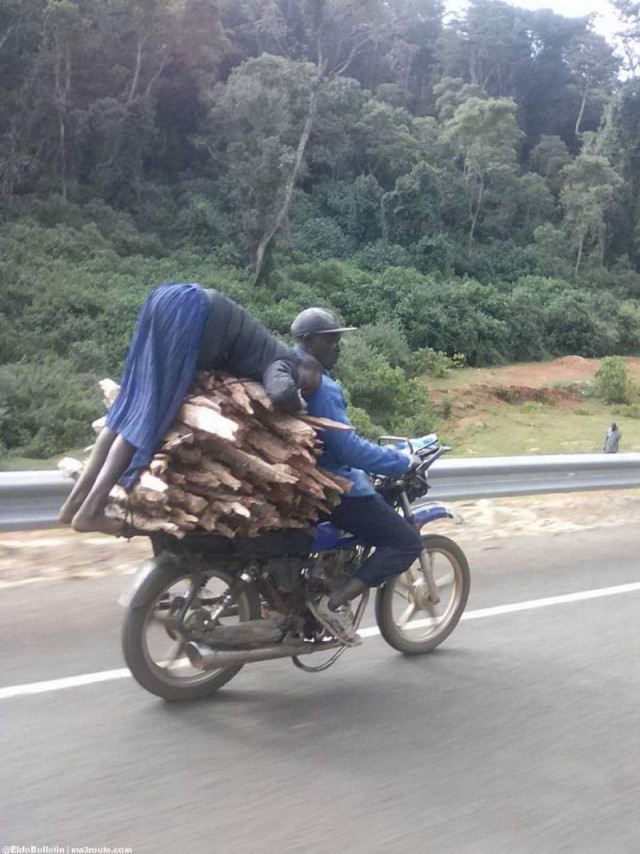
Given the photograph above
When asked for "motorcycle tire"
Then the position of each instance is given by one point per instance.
(152, 675)
(409, 592)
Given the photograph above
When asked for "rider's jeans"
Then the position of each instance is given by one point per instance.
(397, 542)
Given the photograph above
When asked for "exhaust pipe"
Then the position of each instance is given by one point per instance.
(204, 658)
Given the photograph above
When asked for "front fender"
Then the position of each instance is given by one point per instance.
(432, 510)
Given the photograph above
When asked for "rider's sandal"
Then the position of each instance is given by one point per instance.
(331, 621)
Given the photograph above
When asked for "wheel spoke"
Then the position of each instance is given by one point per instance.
(406, 615)
(173, 659)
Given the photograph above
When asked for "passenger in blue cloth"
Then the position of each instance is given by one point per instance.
(362, 511)
(181, 328)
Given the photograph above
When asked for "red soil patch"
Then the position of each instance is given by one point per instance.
(532, 381)
(472, 398)
(520, 394)
(566, 369)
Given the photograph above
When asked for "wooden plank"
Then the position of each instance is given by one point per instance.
(255, 391)
(203, 400)
(209, 421)
(324, 423)
(221, 473)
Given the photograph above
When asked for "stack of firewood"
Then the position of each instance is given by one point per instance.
(230, 464)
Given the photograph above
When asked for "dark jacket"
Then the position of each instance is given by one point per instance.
(234, 341)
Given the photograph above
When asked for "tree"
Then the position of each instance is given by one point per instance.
(260, 126)
(629, 13)
(385, 145)
(619, 142)
(549, 158)
(331, 150)
(546, 94)
(21, 25)
(412, 209)
(594, 68)
(590, 191)
(62, 27)
(493, 47)
(330, 36)
(485, 134)
(450, 93)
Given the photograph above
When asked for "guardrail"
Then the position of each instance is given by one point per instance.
(30, 500)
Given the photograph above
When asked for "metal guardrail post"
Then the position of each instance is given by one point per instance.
(30, 500)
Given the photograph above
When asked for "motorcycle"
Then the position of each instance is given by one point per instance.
(204, 606)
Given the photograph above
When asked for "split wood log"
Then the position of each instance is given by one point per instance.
(209, 421)
(109, 390)
(71, 467)
(203, 400)
(325, 423)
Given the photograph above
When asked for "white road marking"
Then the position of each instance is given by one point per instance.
(373, 631)
(530, 605)
(67, 682)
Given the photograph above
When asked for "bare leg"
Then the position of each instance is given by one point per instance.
(89, 474)
(91, 515)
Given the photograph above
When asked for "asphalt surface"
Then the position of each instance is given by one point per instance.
(520, 734)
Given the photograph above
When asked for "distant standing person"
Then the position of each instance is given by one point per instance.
(612, 439)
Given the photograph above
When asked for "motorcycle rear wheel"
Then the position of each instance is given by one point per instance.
(152, 650)
(408, 620)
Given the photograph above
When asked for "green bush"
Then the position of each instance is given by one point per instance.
(321, 239)
(628, 410)
(377, 256)
(48, 407)
(387, 338)
(613, 381)
(363, 424)
(391, 399)
(435, 362)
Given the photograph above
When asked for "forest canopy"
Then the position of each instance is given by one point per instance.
(473, 182)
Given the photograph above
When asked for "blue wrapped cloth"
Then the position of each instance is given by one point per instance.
(160, 368)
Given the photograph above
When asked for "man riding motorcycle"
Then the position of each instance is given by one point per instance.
(362, 511)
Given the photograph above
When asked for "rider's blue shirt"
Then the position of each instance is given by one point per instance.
(345, 453)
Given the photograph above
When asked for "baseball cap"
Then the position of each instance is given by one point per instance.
(314, 321)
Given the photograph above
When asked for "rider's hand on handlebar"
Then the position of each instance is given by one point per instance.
(414, 459)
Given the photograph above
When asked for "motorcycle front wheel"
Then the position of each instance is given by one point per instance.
(153, 648)
(408, 619)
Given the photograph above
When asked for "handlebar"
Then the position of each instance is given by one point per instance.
(429, 456)
(427, 448)
(413, 483)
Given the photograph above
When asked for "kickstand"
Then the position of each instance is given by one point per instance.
(320, 667)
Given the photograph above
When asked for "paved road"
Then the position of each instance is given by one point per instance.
(519, 735)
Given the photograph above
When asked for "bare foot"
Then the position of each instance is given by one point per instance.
(84, 523)
(69, 510)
